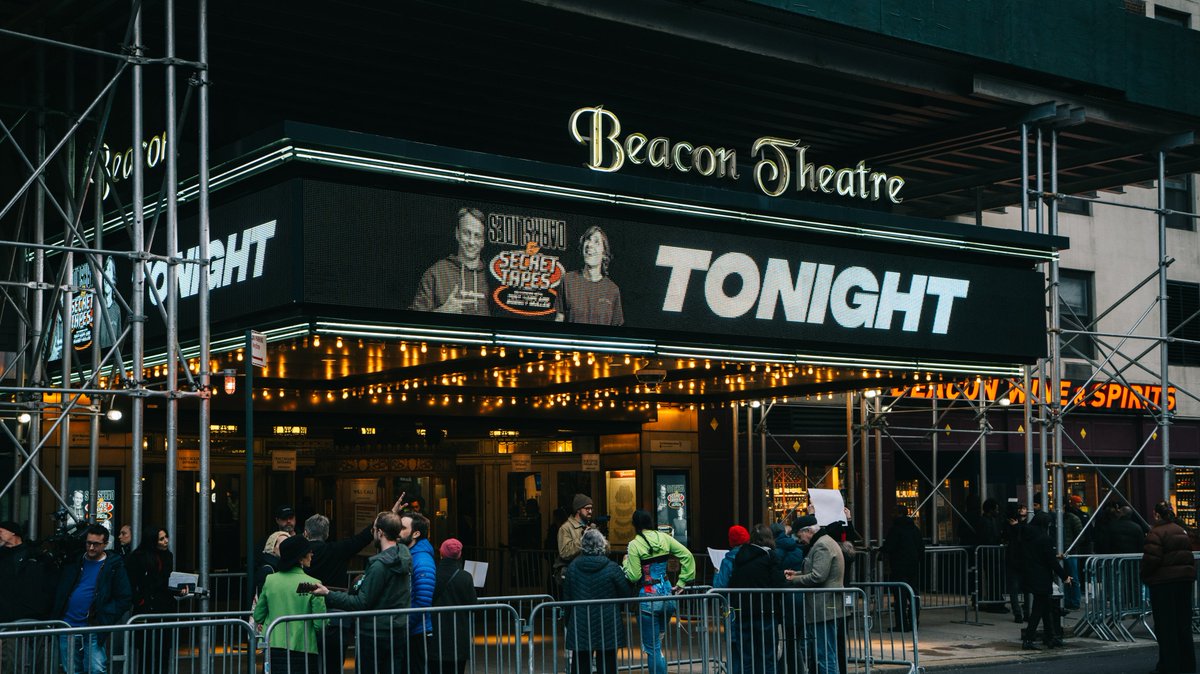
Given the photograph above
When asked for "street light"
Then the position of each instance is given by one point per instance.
(230, 381)
(24, 417)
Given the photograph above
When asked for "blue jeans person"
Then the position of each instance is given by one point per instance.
(83, 653)
(652, 625)
(757, 637)
(1071, 592)
(822, 638)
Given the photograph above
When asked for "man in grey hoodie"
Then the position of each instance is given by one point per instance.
(387, 584)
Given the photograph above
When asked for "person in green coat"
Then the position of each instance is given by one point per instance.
(386, 584)
(645, 566)
(293, 644)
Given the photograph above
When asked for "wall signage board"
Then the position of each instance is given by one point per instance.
(501, 261)
(1094, 396)
(522, 463)
(283, 460)
(783, 165)
(590, 463)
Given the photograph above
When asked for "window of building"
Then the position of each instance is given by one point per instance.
(1172, 16)
(1076, 310)
(1183, 301)
(1179, 198)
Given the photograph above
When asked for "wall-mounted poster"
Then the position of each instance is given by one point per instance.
(621, 489)
(80, 505)
(671, 504)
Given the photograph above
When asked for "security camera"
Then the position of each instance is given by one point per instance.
(651, 377)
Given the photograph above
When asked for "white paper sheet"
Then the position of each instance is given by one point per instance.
(478, 571)
(717, 556)
(829, 505)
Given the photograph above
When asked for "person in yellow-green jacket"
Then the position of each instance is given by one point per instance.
(294, 645)
(645, 566)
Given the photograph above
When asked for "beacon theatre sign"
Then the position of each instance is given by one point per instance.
(782, 162)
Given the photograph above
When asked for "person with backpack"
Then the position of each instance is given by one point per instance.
(645, 565)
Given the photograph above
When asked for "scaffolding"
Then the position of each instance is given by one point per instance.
(879, 420)
(59, 285)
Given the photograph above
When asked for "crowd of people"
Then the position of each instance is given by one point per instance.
(298, 588)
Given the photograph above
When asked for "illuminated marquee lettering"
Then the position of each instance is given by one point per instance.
(119, 166)
(1089, 396)
(607, 152)
(853, 296)
(782, 162)
(240, 257)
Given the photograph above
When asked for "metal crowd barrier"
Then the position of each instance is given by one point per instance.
(990, 576)
(1113, 595)
(484, 637)
(222, 646)
(892, 617)
(943, 582)
(630, 634)
(21, 654)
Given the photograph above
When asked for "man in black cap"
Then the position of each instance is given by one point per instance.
(285, 519)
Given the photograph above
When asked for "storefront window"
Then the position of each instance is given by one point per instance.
(1185, 495)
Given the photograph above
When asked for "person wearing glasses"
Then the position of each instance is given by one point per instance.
(92, 590)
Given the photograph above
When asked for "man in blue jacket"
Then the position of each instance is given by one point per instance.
(414, 532)
(93, 590)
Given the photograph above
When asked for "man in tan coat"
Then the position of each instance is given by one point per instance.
(571, 533)
(824, 567)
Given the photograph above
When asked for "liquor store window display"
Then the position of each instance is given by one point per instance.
(908, 494)
(789, 484)
(1185, 495)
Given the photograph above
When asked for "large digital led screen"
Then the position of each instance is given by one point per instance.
(415, 255)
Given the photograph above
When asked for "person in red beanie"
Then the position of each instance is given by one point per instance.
(450, 648)
(738, 536)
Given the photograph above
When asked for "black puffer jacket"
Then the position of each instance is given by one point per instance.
(1039, 563)
(27, 580)
(1167, 555)
(597, 627)
(451, 640)
(1125, 537)
(755, 567)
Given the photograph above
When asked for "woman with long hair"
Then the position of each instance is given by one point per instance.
(646, 566)
(149, 567)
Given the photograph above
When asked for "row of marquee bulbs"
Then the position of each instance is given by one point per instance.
(593, 400)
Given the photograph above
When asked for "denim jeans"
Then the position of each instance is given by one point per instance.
(652, 626)
(756, 635)
(1071, 592)
(83, 653)
(822, 638)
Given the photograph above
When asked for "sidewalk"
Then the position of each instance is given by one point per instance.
(947, 643)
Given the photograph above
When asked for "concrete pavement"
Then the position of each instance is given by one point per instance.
(947, 641)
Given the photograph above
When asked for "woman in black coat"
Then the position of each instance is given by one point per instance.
(450, 645)
(1040, 566)
(756, 567)
(595, 630)
(149, 568)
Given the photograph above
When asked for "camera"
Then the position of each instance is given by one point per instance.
(651, 377)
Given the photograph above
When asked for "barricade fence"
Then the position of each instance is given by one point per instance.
(220, 646)
(892, 619)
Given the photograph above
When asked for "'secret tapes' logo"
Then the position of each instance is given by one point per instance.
(528, 280)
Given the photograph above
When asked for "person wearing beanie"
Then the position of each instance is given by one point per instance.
(789, 555)
(450, 645)
(570, 534)
(738, 536)
(28, 580)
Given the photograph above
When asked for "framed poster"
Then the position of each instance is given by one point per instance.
(621, 489)
(80, 505)
(671, 503)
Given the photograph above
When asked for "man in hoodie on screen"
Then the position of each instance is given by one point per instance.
(458, 284)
